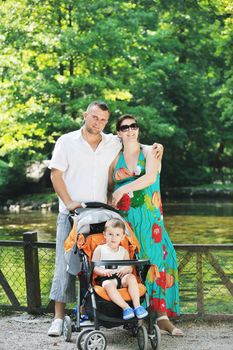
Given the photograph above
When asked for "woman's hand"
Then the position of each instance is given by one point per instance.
(116, 196)
(158, 150)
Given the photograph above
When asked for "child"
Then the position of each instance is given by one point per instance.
(117, 277)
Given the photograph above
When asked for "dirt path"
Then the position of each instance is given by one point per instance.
(25, 332)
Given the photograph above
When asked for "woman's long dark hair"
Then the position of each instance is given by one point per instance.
(123, 117)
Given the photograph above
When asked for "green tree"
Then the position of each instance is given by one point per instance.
(169, 63)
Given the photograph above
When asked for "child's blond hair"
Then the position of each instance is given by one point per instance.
(113, 223)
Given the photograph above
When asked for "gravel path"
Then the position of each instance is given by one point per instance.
(30, 333)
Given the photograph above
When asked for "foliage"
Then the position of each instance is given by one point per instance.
(4, 169)
(169, 63)
(8, 182)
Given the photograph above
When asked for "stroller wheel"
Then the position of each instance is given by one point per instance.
(134, 331)
(67, 328)
(142, 338)
(95, 340)
(81, 338)
(155, 338)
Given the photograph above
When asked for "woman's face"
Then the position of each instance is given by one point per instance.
(128, 130)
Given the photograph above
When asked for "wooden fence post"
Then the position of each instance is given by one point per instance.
(200, 291)
(31, 262)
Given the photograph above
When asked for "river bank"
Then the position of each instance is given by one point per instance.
(48, 201)
(201, 192)
(40, 201)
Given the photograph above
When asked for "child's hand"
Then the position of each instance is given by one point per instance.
(123, 271)
(107, 273)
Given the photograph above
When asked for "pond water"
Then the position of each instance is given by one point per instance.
(187, 221)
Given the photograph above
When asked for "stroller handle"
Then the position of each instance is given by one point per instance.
(86, 205)
(121, 262)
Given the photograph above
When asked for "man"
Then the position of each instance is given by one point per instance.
(79, 173)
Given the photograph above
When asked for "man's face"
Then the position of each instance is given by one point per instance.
(95, 120)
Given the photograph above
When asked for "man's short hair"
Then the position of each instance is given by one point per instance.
(102, 105)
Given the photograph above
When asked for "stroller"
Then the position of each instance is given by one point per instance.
(86, 234)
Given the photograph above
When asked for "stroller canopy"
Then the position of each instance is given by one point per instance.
(82, 225)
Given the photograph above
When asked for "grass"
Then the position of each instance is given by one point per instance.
(6, 312)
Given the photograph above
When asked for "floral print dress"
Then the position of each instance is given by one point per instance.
(143, 210)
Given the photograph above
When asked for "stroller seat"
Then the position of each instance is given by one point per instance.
(123, 292)
(88, 245)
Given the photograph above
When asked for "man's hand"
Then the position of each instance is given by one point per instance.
(158, 150)
(73, 205)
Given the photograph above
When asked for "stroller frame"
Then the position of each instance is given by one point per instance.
(91, 336)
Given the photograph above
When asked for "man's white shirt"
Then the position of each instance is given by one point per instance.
(85, 172)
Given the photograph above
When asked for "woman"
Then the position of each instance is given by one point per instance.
(136, 175)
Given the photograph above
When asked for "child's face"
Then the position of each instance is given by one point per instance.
(113, 236)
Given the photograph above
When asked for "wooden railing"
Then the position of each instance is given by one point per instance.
(187, 253)
(207, 252)
(32, 281)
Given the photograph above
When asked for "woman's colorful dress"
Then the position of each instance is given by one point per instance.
(143, 210)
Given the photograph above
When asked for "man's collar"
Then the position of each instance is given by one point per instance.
(79, 135)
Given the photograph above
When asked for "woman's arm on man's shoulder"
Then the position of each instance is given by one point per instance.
(157, 150)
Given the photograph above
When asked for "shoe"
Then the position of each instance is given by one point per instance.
(83, 318)
(128, 314)
(85, 321)
(175, 332)
(56, 328)
(140, 312)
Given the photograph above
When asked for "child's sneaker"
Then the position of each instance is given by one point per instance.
(140, 312)
(83, 318)
(128, 314)
(85, 321)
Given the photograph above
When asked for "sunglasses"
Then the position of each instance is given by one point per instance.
(126, 127)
